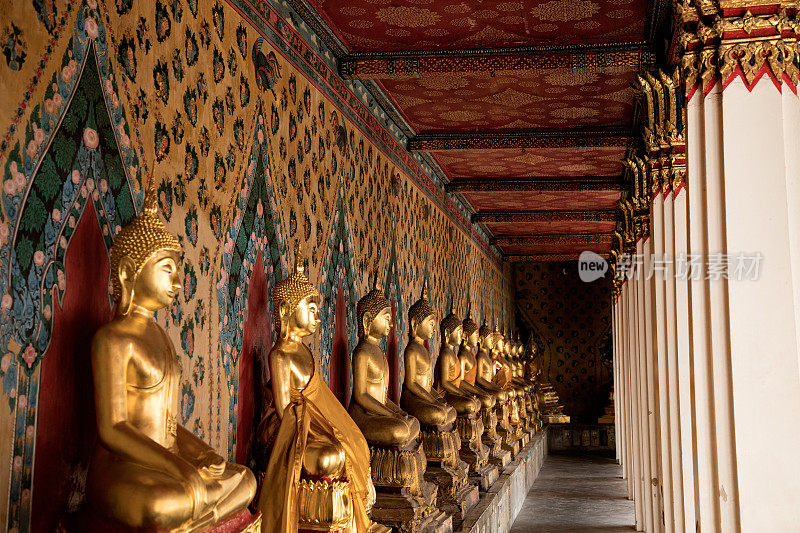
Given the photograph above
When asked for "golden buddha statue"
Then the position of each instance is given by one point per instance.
(404, 499)
(440, 440)
(469, 372)
(418, 396)
(485, 379)
(469, 422)
(148, 472)
(505, 378)
(518, 373)
(318, 470)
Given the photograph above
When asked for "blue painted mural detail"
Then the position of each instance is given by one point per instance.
(255, 227)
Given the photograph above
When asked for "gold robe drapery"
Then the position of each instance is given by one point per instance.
(314, 410)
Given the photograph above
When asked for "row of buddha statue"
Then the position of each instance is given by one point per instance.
(375, 466)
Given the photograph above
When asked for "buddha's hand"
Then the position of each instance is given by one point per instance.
(211, 465)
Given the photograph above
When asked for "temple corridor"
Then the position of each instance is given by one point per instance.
(577, 493)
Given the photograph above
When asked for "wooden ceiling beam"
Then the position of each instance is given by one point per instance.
(536, 184)
(604, 215)
(409, 64)
(563, 238)
(542, 138)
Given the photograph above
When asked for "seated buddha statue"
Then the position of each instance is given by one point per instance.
(469, 369)
(318, 470)
(147, 471)
(404, 500)
(382, 421)
(505, 408)
(418, 396)
(504, 376)
(447, 376)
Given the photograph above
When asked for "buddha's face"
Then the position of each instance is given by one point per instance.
(381, 324)
(158, 282)
(472, 340)
(455, 336)
(488, 341)
(424, 329)
(499, 344)
(305, 318)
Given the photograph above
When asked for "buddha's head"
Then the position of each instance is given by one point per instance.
(486, 337)
(470, 332)
(144, 262)
(374, 313)
(499, 342)
(421, 316)
(296, 303)
(452, 330)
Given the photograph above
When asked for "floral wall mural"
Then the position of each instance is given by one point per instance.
(238, 120)
(570, 321)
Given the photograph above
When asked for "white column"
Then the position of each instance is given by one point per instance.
(627, 463)
(705, 433)
(791, 151)
(763, 347)
(727, 489)
(652, 386)
(637, 408)
(647, 500)
(673, 390)
(684, 346)
(657, 233)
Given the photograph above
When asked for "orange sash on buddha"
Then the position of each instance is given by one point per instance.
(313, 410)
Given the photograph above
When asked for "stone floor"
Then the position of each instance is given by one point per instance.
(577, 494)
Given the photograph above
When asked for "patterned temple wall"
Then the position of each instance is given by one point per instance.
(570, 321)
(235, 114)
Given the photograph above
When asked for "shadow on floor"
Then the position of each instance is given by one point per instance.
(577, 493)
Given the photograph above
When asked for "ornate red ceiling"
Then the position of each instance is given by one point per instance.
(515, 100)
(542, 201)
(430, 24)
(510, 163)
(495, 90)
(549, 227)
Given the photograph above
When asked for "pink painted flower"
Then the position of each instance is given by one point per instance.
(19, 180)
(57, 101)
(6, 302)
(109, 85)
(56, 215)
(50, 106)
(5, 363)
(38, 258)
(90, 138)
(4, 232)
(25, 497)
(23, 401)
(259, 209)
(29, 431)
(47, 312)
(260, 136)
(96, 195)
(125, 140)
(76, 176)
(29, 356)
(103, 186)
(9, 188)
(66, 74)
(31, 149)
(90, 184)
(63, 242)
(62, 280)
(91, 28)
(38, 134)
(71, 221)
(17, 464)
